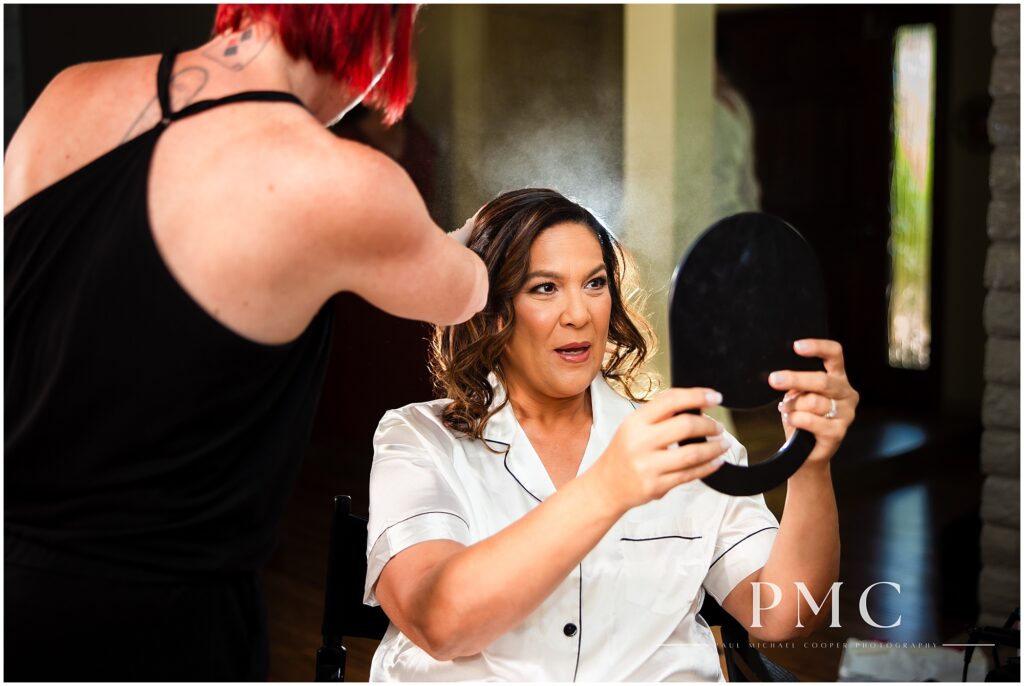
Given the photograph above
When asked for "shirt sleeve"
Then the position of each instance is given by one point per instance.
(744, 539)
(411, 498)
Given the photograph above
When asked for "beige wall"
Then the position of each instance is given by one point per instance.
(523, 95)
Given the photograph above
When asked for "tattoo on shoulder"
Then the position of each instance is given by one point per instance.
(185, 87)
(236, 50)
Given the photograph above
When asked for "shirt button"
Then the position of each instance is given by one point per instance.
(569, 629)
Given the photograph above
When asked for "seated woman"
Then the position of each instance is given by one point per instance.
(541, 524)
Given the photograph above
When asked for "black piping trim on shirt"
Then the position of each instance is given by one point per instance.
(505, 462)
(451, 514)
(740, 541)
(579, 627)
(660, 538)
(494, 440)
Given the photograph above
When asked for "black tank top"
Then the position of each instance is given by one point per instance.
(142, 437)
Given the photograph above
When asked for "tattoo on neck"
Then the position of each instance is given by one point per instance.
(185, 86)
(236, 50)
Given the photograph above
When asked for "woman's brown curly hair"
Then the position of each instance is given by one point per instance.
(463, 355)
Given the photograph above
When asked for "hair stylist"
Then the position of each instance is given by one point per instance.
(174, 226)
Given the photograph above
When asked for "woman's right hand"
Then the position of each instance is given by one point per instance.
(642, 462)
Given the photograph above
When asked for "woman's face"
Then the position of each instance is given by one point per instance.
(561, 315)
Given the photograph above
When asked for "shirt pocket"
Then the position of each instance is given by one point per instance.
(664, 563)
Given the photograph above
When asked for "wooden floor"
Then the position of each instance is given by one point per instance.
(908, 493)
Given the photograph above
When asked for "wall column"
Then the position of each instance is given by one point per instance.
(668, 126)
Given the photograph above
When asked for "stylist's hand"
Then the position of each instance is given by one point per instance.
(463, 233)
(642, 462)
(823, 403)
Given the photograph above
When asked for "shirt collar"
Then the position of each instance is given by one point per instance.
(503, 432)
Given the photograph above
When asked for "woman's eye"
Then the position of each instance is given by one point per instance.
(599, 282)
(543, 288)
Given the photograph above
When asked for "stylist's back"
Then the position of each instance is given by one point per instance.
(170, 245)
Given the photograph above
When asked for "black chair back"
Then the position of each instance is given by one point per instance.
(742, 661)
(344, 612)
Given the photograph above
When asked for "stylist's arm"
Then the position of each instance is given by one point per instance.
(806, 549)
(381, 243)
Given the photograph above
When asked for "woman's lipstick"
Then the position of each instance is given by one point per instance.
(575, 352)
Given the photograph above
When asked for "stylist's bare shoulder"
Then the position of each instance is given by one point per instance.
(75, 120)
(375, 228)
(367, 199)
(340, 196)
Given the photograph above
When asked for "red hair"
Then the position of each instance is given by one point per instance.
(342, 40)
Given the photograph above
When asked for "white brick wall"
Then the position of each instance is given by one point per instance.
(1002, 360)
(1000, 452)
(1004, 220)
(999, 585)
(1002, 314)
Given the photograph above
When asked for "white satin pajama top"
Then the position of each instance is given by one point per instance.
(628, 612)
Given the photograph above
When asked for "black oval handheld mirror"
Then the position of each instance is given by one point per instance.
(744, 292)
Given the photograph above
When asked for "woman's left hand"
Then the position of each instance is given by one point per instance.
(823, 403)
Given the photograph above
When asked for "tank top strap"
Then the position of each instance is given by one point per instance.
(163, 89)
(163, 84)
(247, 96)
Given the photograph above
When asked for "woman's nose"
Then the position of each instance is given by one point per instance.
(576, 313)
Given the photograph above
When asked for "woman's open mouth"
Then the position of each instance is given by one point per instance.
(574, 352)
